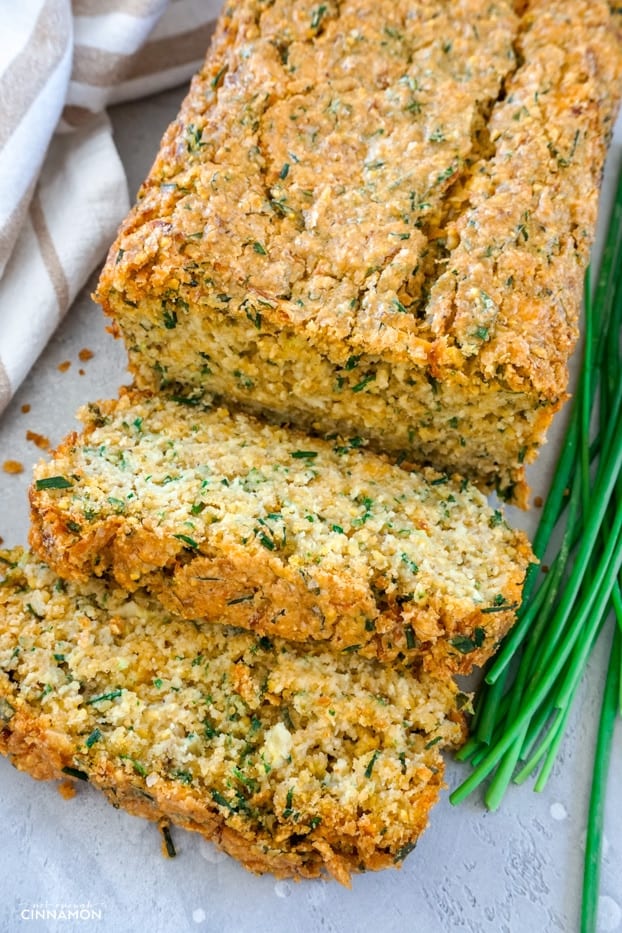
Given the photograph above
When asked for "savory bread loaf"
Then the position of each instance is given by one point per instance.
(292, 760)
(373, 217)
(232, 520)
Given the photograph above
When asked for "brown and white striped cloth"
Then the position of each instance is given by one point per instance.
(63, 190)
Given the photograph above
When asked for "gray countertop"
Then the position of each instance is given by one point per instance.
(518, 869)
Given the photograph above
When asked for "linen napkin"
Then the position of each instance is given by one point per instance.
(63, 190)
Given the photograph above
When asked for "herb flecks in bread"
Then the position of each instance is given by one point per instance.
(379, 224)
(293, 760)
(234, 520)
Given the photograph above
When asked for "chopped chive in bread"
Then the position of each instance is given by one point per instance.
(374, 218)
(236, 521)
(291, 759)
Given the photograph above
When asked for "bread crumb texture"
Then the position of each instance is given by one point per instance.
(375, 218)
(292, 760)
(233, 520)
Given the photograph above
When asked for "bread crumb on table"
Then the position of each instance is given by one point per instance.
(13, 466)
(67, 790)
(64, 366)
(39, 440)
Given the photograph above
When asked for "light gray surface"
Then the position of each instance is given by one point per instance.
(514, 871)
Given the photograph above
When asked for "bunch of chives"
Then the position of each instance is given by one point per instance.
(523, 705)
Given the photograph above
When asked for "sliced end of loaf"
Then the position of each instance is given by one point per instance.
(293, 760)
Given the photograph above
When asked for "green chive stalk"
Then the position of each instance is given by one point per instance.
(602, 755)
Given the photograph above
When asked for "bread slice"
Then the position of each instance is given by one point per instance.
(374, 218)
(292, 760)
(231, 520)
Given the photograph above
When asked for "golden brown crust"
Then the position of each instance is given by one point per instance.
(472, 282)
(530, 210)
(354, 603)
(569, 70)
(282, 605)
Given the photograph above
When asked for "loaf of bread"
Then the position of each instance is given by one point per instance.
(232, 520)
(373, 217)
(292, 760)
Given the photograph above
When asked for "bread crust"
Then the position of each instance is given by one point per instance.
(451, 271)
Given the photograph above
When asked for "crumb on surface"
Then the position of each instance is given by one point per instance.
(13, 466)
(81, 372)
(67, 790)
(85, 355)
(25, 408)
(64, 366)
(538, 502)
(39, 440)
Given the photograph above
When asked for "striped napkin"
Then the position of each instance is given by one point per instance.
(62, 186)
